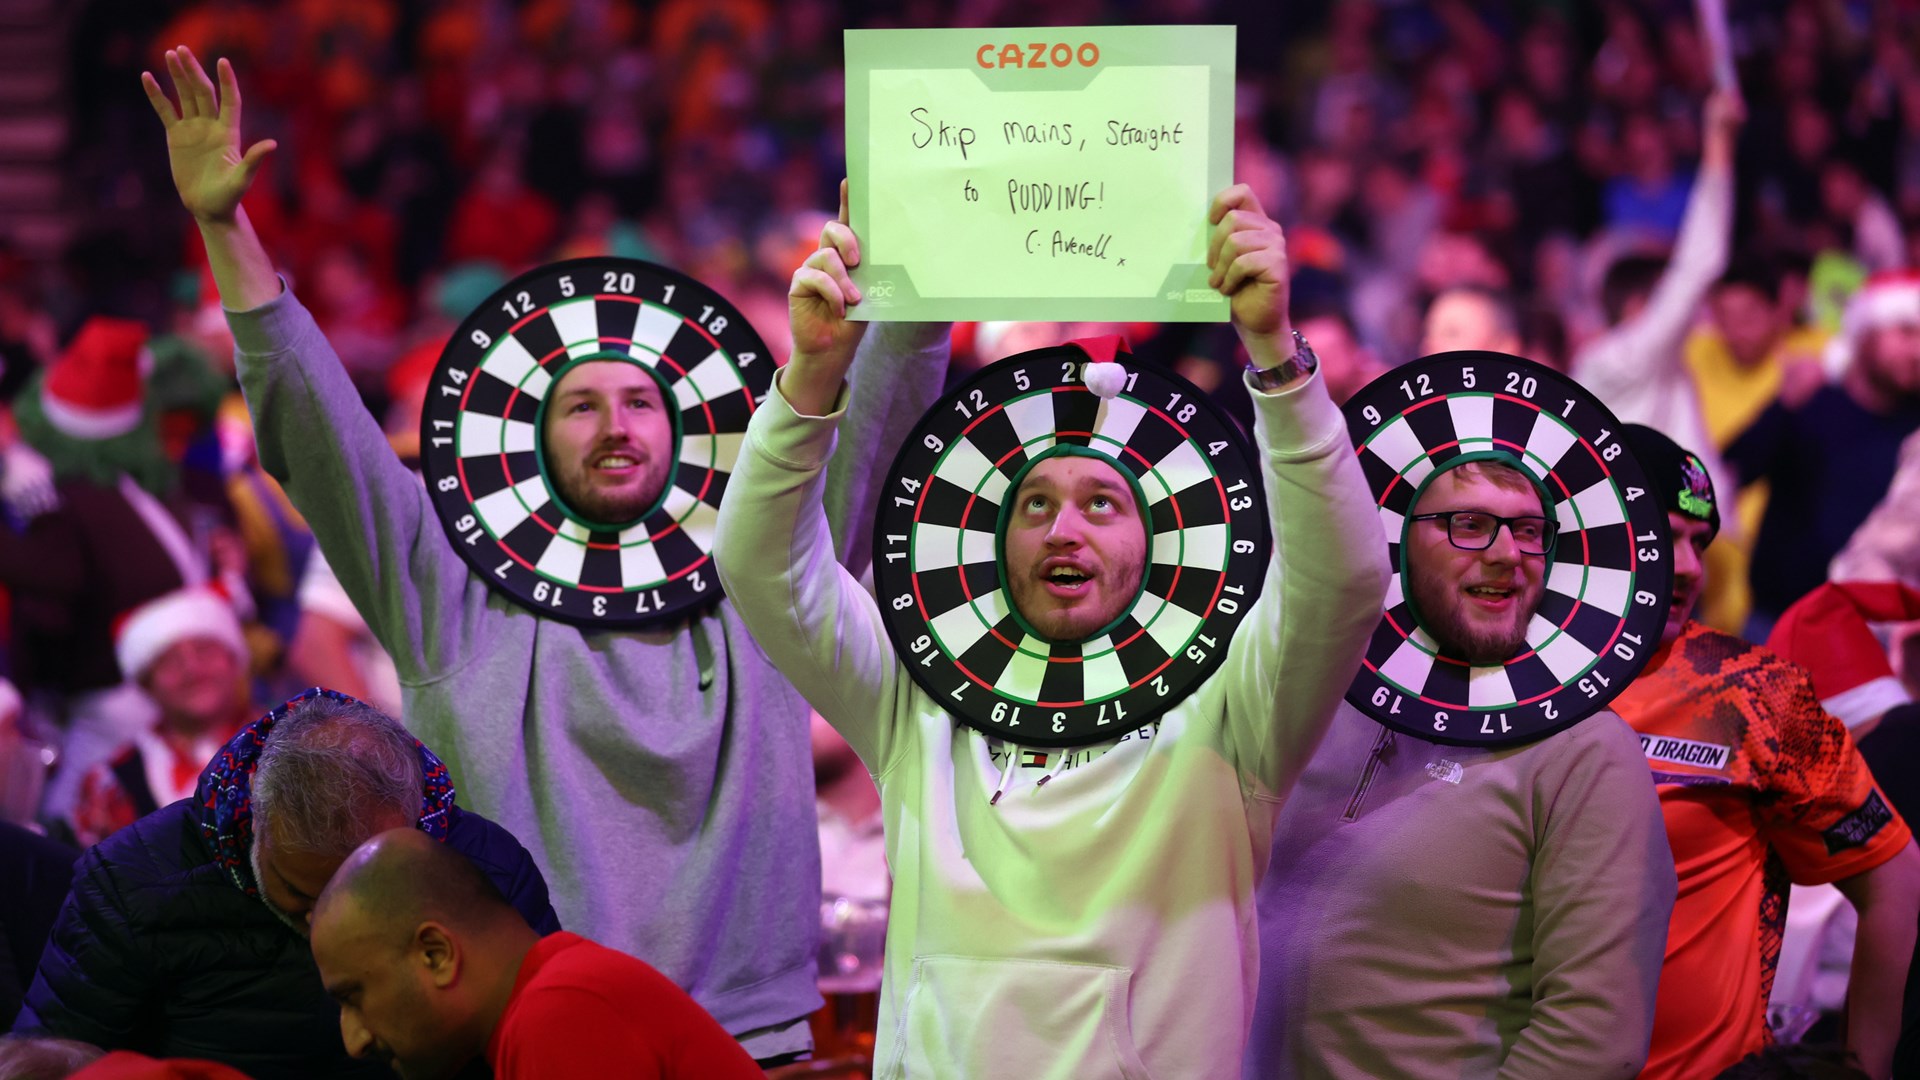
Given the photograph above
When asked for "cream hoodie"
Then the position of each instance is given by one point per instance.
(1101, 924)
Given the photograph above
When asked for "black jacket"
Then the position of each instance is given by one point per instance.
(164, 948)
(157, 951)
(35, 873)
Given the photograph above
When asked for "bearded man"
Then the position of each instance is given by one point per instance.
(1453, 911)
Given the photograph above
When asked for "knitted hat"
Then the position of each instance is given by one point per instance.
(1889, 298)
(157, 625)
(1678, 476)
(1826, 632)
(94, 390)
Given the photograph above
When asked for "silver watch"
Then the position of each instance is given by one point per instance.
(1302, 363)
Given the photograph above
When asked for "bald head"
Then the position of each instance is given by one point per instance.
(402, 878)
(419, 949)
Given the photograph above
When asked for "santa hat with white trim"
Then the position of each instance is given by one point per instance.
(202, 611)
(95, 390)
(1888, 298)
(1826, 632)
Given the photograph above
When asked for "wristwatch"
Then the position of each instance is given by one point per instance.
(1302, 363)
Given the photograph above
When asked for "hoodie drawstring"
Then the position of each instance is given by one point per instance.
(1006, 774)
(703, 653)
(1059, 759)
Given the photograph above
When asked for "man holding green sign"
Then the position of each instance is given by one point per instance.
(1097, 921)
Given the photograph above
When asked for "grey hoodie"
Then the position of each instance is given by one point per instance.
(661, 779)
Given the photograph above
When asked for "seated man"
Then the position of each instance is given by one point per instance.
(1101, 925)
(433, 969)
(186, 652)
(185, 934)
(1759, 787)
(1454, 911)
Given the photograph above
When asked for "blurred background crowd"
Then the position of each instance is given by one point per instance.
(1532, 163)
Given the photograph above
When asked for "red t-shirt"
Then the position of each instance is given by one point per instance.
(1759, 786)
(582, 1009)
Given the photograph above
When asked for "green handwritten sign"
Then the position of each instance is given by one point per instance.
(1061, 173)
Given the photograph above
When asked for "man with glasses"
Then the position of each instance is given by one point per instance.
(1449, 911)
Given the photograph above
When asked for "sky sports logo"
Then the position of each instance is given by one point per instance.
(1684, 752)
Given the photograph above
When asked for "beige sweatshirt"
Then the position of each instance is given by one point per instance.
(1444, 912)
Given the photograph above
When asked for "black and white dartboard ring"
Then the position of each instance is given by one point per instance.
(1604, 603)
(480, 437)
(937, 549)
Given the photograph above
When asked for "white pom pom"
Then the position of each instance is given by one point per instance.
(1106, 378)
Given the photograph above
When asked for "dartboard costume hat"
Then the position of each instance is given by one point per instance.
(485, 456)
(1069, 823)
(941, 563)
(1608, 578)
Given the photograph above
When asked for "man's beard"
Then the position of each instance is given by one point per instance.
(614, 508)
(1439, 603)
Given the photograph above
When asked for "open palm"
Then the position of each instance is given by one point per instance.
(203, 136)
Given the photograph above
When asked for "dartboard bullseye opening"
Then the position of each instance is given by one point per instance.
(939, 571)
(483, 449)
(671, 449)
(1009, 509)
(1605, 594)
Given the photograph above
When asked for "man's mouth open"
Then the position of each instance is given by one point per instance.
(1066, 581)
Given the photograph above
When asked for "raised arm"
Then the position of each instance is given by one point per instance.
(772, 546)
(1291, 660)
(212, 173)
(1638, 367)
(370, 514)
(1700, 250)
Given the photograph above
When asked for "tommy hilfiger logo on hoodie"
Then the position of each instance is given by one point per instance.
(1070, 757)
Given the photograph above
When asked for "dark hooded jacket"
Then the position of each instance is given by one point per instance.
(165, 946)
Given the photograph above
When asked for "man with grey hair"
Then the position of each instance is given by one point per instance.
(175, 940)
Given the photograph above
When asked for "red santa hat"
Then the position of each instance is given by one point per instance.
(1889, 298)
(1103, 374)
(1826, 632)
(143, 634)
(94, 390)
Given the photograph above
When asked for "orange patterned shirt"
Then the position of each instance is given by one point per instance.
(1759, 787)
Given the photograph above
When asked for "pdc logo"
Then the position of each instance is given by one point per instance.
(880, 290)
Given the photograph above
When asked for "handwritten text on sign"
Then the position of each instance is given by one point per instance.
(1064, 172)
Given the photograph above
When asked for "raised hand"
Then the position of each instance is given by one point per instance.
(823, 337)
(1721, 119)
(203, 137)
(1247, 254)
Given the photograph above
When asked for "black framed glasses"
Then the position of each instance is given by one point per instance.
(1474, 530)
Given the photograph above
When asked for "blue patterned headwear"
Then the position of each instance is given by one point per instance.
(225, 793)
